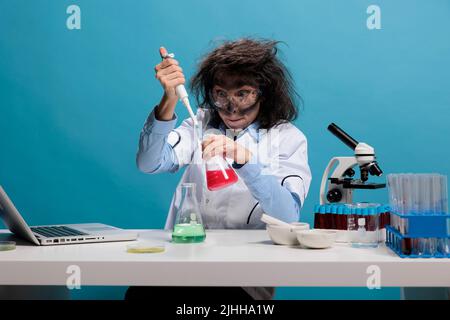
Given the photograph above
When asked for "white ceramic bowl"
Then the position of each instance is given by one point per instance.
(316, 238)
(299, 225)
(285, 235)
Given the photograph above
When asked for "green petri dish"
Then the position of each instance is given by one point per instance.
(145, 248)
(7, 245)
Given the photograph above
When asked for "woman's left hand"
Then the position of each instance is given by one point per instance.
(221, 145)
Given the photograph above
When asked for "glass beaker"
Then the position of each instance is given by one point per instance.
(363, 225)
(219, 174)
(188, 226)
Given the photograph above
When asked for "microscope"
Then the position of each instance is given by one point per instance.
(338, 188)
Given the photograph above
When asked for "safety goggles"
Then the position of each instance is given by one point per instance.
(242, 101)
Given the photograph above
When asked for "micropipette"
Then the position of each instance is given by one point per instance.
(181, 92)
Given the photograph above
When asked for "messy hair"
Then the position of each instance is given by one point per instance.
(255, 63)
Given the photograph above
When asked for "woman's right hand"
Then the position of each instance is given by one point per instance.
(169, 74)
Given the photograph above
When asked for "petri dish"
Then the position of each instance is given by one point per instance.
(7, 245)
(146, 247)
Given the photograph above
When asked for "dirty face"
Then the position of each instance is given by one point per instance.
(236, 101)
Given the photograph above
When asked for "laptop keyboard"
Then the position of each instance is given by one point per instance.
(57, 231)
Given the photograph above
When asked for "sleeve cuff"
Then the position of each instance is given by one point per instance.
(153, 125)
(250, 171)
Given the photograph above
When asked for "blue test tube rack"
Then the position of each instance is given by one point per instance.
(432, 227)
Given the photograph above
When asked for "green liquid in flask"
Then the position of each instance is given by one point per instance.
(188, 233)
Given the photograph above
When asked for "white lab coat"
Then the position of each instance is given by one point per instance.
(282, 152)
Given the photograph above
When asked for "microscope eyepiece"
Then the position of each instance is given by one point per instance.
(343, 136)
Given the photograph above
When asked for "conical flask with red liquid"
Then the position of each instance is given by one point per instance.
(219, 173)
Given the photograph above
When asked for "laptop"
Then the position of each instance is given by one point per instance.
(59, 234)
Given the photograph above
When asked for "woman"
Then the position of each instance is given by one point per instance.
(250, 96)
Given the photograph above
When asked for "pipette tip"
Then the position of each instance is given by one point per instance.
(186, 103)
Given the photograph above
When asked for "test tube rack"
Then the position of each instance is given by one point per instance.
(335, 217)
(419, 235)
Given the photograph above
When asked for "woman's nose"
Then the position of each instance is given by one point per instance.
(230, 107)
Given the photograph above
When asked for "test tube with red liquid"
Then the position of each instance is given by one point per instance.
(334, 217)
(316, 216)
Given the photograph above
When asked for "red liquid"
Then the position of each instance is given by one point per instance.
(333, 220)
(371, 224)
(319, 221)
(215, 179)
(344, 222)
(316, 220)
(387, 219)
(342, 218)
(327, 221)
(406, 246)
(337, 221)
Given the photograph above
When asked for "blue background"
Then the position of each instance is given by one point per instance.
(73, 101)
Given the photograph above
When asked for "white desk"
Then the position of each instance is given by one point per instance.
(226, 258)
